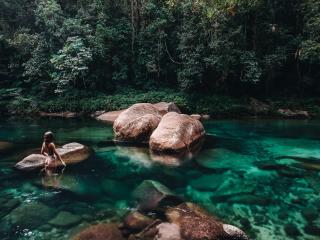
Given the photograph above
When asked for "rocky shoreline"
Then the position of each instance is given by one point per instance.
(254, 109)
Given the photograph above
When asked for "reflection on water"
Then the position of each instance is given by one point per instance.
(262, 176)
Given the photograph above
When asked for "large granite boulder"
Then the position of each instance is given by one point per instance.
(176, 133)
(136, 123)
(165, 107)
(151, 195)
(196, 224)
(71, 153)
(100, 232)
(109, 117)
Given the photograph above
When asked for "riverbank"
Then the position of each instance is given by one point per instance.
(217, 106)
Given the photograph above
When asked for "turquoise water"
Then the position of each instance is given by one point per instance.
(260, 175)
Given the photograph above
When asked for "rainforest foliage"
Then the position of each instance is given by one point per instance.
(53, 48)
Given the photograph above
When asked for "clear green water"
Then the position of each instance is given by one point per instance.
(241, 175)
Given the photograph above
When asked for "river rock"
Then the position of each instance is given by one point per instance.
(31, 215)
(165, 107)
(136, 221)
(136, 123)
(7, 205)
(287, 113)
(196, 116)
(71, 153)
(207, 182)
(196, 224)
(109, 117)
(259, 107)
(65, 219)
(100, 232)
(67, 114)
(115, 188)
(168, 231)
(151, 194)
(176, 133)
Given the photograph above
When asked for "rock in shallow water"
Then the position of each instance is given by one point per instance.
(71, 153)
(109, 117)
(100, 232)
(65, 219)
(136, 221)
(176, 133)
(196, 224)
(168, 231)
(151, 194)
(136, 123)
(31, 215)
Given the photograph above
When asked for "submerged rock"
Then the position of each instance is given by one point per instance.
(223, 159)
(71, 153)
(207, 182)
(65, 219)
(116, 189)
(176, 133)
(176, 159)
(100, 232)
(196, 224)
(136, 123)
(31, 215)
(291, 230)
(312, 230)
(7, 205)
(151, 194)
(109, 117)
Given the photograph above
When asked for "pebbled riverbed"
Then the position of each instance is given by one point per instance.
(260, 175)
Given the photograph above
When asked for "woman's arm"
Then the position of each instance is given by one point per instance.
(42, 150)
(57, 154)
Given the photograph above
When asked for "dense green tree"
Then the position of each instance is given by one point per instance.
(260, 47)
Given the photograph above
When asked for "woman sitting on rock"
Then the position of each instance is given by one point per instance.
(49, 149)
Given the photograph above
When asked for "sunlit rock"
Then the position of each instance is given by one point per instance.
(71, 153)
(109, 117)
(100, 232)
(165, 107)
(136, 123)
(176, 133)
(168, 231)
(196, 224)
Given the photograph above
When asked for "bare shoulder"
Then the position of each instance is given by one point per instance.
(51, 145)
